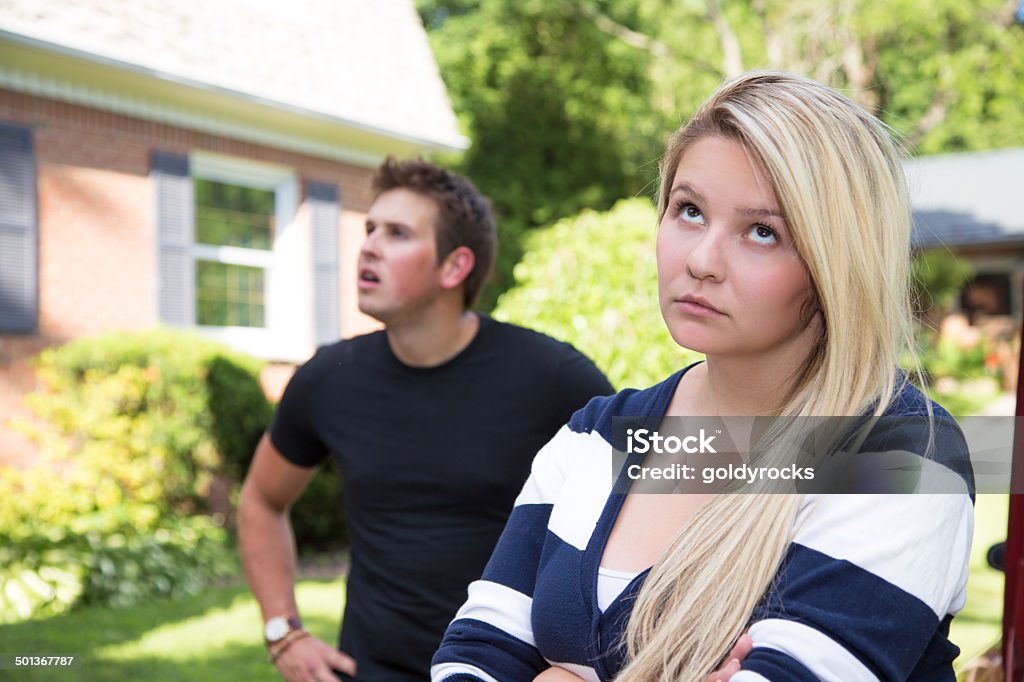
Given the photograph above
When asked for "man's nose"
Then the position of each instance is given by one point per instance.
(369, 246)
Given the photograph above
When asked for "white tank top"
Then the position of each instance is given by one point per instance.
(610, 584)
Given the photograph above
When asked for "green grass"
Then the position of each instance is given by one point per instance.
(213, 636)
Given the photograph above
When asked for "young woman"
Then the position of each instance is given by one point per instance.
(783, 256)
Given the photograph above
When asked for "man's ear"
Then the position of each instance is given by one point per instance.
(456, 267)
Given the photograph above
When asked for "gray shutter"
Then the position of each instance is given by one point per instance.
(324, 211)
(175, 220)
(19, 259)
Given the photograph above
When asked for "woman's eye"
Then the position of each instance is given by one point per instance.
(691, 214)
(762, 234)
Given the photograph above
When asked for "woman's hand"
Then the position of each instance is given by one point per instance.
(556, 674)
(739, 651)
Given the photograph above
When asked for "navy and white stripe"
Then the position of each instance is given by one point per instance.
(865, 592)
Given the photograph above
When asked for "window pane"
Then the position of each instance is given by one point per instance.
(231, 215)
(987, 294)
(229, 295)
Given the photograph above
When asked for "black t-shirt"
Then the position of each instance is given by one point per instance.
(432, 460)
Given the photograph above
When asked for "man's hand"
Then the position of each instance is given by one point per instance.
(311, 660)
(739, 651)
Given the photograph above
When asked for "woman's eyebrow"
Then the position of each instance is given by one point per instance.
(689, 189)
(768, 212)
(759, 212)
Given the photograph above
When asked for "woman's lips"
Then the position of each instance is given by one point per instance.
(693, 305)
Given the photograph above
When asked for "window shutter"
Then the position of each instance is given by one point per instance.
(175, 221)
(324, 211)
(19, 260)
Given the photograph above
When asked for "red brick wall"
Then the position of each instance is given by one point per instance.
(97, 231)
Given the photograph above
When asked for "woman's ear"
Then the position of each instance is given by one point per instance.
(811, 308)
(456, 267)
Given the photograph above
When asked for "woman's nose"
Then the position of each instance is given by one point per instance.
(706, 258)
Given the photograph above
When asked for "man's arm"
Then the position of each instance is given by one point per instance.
(268, 557)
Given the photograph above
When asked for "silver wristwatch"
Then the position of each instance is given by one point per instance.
(278, 627)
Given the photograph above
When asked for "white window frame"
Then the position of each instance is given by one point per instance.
(288, 332)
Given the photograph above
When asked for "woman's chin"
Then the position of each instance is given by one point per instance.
(698, 341)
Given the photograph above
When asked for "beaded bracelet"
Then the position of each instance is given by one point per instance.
(287, 641)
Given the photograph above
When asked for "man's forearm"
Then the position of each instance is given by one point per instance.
(268, 555)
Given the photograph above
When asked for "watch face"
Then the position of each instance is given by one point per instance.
(276, 628)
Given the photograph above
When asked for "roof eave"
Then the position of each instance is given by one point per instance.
(64, 70)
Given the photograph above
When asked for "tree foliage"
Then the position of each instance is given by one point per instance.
(568, 102)
(605, 301)
(557, 110)
(938, 277)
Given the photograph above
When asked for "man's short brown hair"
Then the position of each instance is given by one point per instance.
(464, 215)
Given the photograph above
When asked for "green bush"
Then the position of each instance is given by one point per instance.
(69, 535)
(947, 359)
(592, 280)
(938, 278)
(132, 430)
(182, 409)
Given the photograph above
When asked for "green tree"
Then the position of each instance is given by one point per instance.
(568, 102)
(944, 74)
(557, 109)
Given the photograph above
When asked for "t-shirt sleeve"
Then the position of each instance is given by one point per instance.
(293, 430)
(865, 589)
(577, 381)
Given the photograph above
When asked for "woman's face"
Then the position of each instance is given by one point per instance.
(730, 281)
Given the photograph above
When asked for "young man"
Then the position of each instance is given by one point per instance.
(433, 423)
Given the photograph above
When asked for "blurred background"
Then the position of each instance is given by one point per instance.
(183, 187)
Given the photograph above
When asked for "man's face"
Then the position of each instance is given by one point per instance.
(399, 275)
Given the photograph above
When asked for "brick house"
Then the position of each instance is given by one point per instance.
(198, 164)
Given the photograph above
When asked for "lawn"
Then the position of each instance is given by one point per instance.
(213, 636)
(216, 635)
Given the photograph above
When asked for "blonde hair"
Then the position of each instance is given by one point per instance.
(839, 181)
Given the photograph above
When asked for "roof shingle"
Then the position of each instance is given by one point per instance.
(965, 199)
(367, 63)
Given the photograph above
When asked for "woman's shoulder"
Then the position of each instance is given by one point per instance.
(914, 423)
(910, 401)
